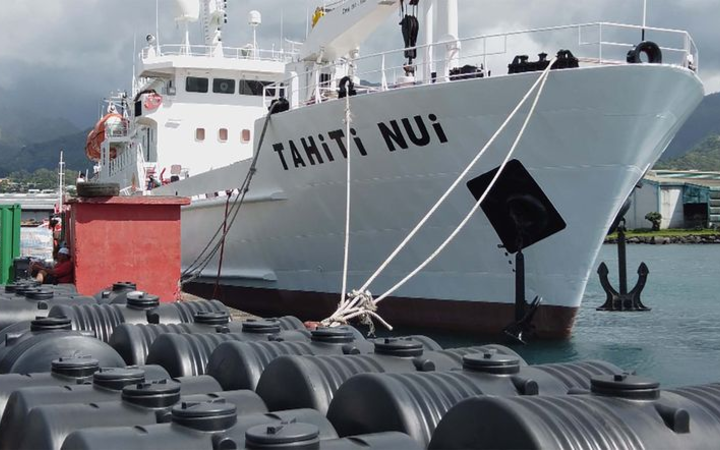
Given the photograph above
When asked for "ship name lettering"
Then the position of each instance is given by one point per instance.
(309, 150)
(400, 134)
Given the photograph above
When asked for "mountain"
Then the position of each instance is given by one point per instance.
(30, 141)
(704, 122)
(46, 155)
(704, 157)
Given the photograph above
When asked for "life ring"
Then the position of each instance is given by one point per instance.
(153, 101)
(650, 49)
(347, 87)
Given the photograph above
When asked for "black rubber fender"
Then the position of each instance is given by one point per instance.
(91, 189)
(650, 49)
(346, 87)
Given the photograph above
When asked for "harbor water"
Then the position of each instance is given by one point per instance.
(677, 343)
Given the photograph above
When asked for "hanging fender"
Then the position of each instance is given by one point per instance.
(347, 87)
(650, 49)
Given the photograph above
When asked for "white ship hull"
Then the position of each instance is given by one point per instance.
(594, 134)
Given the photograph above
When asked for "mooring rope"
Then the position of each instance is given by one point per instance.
(360, 302)
(348, 120)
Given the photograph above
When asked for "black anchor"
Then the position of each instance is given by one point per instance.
(623, 300)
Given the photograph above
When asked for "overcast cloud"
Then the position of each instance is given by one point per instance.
(62, 56)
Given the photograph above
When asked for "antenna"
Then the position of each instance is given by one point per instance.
(62, 181)
(282, 30)
(157, 25)
(254, 20)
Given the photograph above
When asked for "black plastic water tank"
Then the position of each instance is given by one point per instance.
(51, 338)
(311, 381)
(107, 295)
(296, 435)
(35, 303)
(133, 341)
(69, 370)
(197, 426)
(460, 352)
(428, 343)
(290, 323)
(622, 411)
(183, 312)
(578, 375)
(188, 354)
(707, 396)
(103, 319)
(239, 365)
(413, 403)
(141, 404)
(107, 385)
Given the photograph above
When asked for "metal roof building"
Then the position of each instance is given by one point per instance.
(34, 206)
(685, 199)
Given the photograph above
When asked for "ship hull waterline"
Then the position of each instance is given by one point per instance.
(595, 133)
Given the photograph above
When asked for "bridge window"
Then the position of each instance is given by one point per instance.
(252, 87)
(223, 86)
(195, 84)
(223, 135)
(245, 136)
(200, 134)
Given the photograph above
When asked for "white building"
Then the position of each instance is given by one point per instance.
(685, 199)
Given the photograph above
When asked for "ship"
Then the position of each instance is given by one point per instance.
(268, 143)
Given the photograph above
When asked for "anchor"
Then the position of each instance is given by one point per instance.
(524, 311)
(623, 300)
(522, 215)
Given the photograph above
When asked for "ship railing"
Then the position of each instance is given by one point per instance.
(242, 53)
(597, 43)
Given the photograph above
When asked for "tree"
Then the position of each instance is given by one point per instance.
(655, 218)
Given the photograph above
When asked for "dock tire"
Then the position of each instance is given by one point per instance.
(650, 49)
(98, 189)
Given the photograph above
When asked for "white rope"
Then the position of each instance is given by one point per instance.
(360, 302)
(348, 119)
(452, 187)
(467, 218)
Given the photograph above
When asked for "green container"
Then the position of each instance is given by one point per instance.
(9, 240)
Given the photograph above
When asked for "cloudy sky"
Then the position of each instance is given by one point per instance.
(61, 56)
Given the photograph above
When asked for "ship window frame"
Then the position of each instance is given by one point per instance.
(246, 136)
(199, 134)
(223, 135)
(231, 87)
(201, 88)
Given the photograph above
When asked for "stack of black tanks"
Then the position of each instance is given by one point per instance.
(121, 371)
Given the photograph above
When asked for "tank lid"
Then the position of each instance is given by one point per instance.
(142, 300)
(51, 324)
(116, 378)
(39, 294)
(398, 347)
(75, 366)
(263, 326)
(491, 362)
(625, 386)
(124, 286)
(206, 416)
(159, 394)
(336, 335)
(10, 288)
(23, 290)
(290, 435)
(211, 317)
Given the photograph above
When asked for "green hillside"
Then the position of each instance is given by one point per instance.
(704, 157)
(704, 122)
